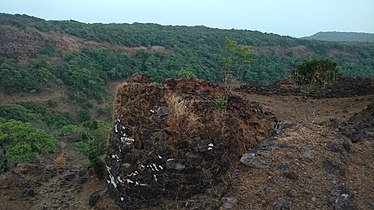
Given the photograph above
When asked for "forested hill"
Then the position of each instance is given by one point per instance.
(342, 36)
(85, 57)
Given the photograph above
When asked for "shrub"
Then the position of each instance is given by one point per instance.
(221, 102)
(316, 72)
(21, 142)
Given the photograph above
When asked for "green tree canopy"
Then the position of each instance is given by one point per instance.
(237, 59)
(316, 72)
(21, 142)
(236, 62)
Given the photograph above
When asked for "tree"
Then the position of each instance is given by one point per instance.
(21, 142)
(11, 76)
(236, 61)
(316, 72)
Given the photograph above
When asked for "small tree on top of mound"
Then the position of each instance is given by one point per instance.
(316, 73)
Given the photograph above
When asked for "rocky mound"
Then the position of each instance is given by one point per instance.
(342, 87)
(170, 141)
(361, 125)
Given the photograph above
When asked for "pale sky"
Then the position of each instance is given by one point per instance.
(295, 18)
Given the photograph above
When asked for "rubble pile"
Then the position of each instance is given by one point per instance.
(169, 141)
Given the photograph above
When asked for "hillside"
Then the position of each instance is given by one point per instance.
(342, 36)
(197, 49)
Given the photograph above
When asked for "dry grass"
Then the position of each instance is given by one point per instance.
(181, 117)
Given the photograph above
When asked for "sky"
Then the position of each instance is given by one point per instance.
(295, 18)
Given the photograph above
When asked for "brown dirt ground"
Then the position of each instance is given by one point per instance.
(261, 188)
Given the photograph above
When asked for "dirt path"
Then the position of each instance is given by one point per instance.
(297, 109)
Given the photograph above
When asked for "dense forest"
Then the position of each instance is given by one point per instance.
(38, 56)
(342, 36)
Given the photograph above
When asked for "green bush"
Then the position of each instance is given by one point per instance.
(21, 142)
(17, 112)
(20, 152)
(84, 115)
(36, 113)
(316, 72)
(33, 77)
(221, 102)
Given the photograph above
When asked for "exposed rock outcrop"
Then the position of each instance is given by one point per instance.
(169, 141)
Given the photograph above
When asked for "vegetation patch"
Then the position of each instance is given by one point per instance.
(22, 142)
(316, 73)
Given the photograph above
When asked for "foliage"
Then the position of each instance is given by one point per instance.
(316, 72)
(267, 68)
(83, 76)
(84, 115)
(37, 113)
(90, 138)
(105, 112)
(48, 50)
(183, 73)
(221, 102)
(236, 55)
(21, 142)
(17, 112)
(34, 77)
(185, 52)
(342, 36)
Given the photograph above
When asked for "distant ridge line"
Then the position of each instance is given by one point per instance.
(342, 36)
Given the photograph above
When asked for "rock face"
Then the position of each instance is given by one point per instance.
(169, 141)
